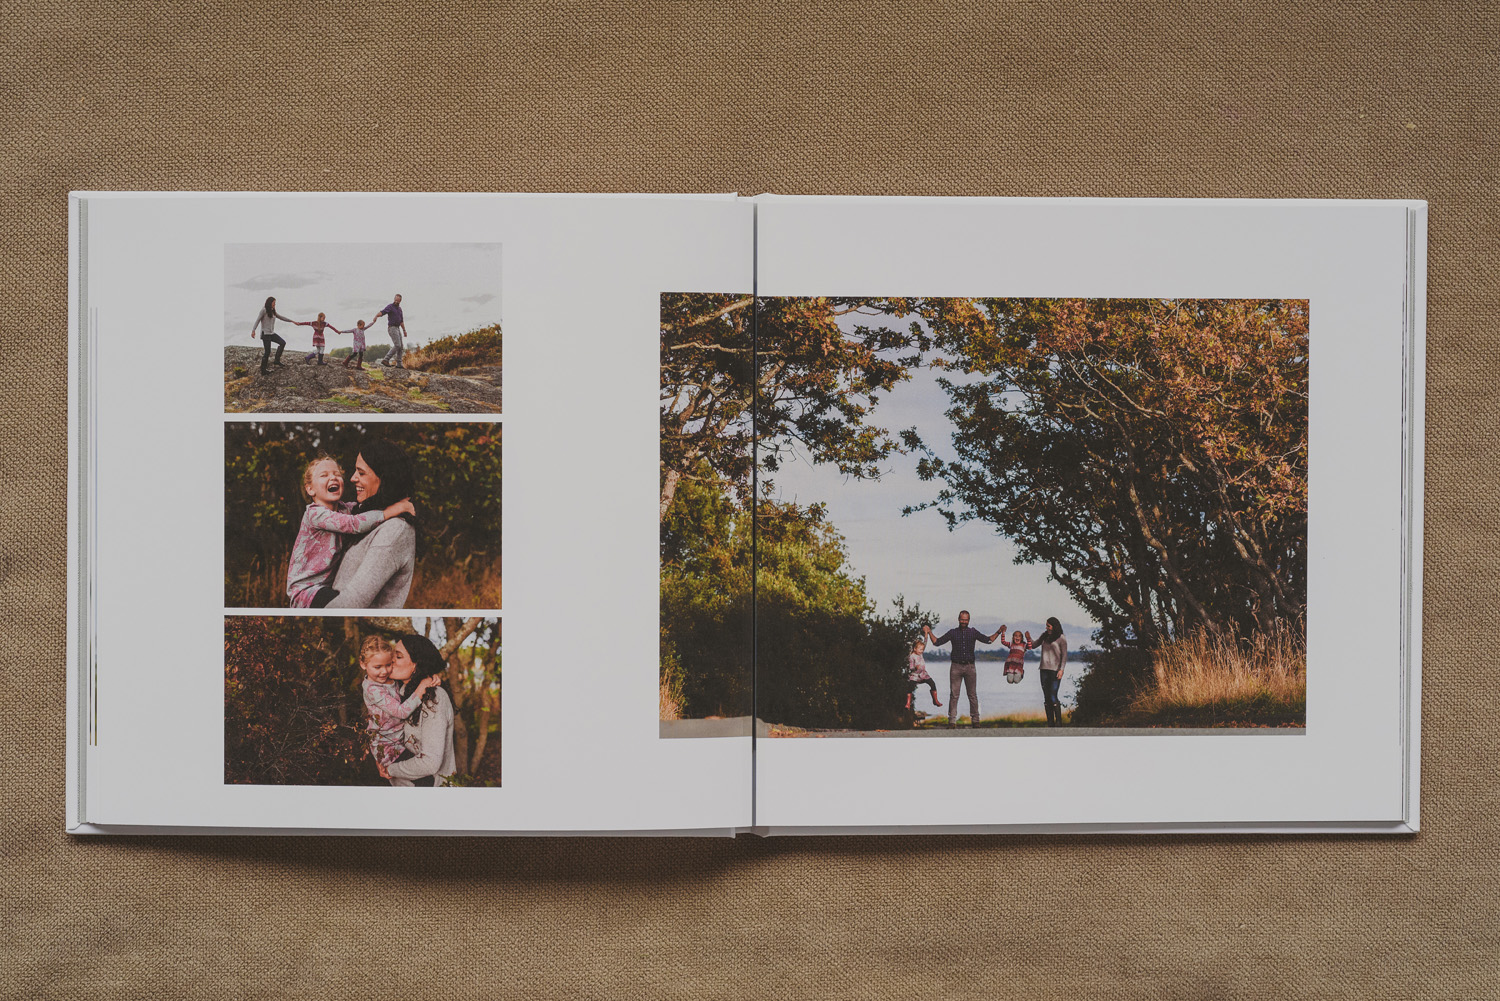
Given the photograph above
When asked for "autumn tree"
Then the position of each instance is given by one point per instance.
(812, 372)
(1153, 453)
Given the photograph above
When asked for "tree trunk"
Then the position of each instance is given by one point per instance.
(460, 739)
(1180, 586)
(668, 491)
(483, 726)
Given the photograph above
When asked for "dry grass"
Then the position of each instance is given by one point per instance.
(257, 586)
(670, 707)
(1214, 678)
(435, 586)
(232, 389)
(476, 586)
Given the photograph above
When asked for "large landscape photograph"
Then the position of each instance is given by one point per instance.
(982, 517)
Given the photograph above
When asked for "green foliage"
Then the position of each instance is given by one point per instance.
(825, 668)
(814, 381)
(706, 602)
(457, 498)
(824, 659)
(373, 351)
(1110, 682)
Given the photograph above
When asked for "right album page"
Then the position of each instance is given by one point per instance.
(1086, 514)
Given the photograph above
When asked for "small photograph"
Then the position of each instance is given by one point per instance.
(362, 516)
(386, 328)
(335, 701)
(984, 517)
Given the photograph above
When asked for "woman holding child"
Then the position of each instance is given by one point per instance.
(376, 571)
(417, 667)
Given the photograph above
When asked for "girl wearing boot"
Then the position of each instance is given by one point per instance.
(1054, 647)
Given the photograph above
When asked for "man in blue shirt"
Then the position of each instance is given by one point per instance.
(961, 667)
(396, 327)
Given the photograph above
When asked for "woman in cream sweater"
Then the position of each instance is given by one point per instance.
(1054, 647)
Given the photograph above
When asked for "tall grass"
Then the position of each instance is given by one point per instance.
(436, 583)
(1215, 678)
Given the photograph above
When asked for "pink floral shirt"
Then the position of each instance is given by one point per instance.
(318, 543)
(387, 717)
(916, 667)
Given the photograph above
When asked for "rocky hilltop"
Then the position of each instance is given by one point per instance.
(303, 388)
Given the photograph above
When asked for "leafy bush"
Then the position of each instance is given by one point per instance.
(824, 659)
(373, 352)
(1111, 681)
(449, 354)
(293, 714)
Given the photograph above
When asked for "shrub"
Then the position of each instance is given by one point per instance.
(1109, 683)
(449, 354)
(292, 714)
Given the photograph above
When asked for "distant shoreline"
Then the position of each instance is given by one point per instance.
(1074, 656)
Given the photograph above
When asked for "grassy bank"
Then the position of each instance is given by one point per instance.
(475, 349)
(1008, 721)
(1207, 678)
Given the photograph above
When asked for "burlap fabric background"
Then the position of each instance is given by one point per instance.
(1300, 99)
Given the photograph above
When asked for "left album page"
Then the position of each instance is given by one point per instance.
(308, 432)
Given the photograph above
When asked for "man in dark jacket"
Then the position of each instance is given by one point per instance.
(961, 667)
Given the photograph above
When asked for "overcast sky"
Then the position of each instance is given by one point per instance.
(446, 288)
(916, 556)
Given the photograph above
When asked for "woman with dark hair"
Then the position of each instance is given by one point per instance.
(428, 758)
(376, 571)
(1054, 647)
(266, 323)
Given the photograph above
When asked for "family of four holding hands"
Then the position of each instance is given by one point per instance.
(266, 324)
(961, 671)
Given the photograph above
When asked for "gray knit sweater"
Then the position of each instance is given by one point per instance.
(376, 571)
(431, 743)
(1054, 654)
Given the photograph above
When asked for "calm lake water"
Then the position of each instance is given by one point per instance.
(996, 697)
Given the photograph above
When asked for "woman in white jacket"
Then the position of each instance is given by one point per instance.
(1054, 647)
(428, 758)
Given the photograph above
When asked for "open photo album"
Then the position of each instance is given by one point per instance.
(972, 514)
